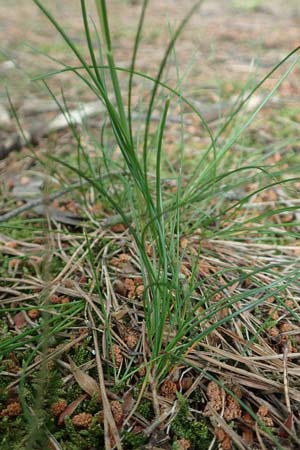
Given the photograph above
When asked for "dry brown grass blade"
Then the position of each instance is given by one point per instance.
(70, 409)
(146, 379)
(228, 430)
(248, 361)
(259, 438)
(85, 381)
(158, 421)
(261, 382)
(285, 379)
(155, 400)
(108, 416)
(52, 356)
(278, 412)
(54, 443)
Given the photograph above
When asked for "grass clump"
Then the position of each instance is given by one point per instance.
(182, 277)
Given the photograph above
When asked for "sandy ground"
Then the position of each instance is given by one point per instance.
(226, 40)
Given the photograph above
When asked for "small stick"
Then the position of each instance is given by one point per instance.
(285, 378)
(48, 198)
(32, 204)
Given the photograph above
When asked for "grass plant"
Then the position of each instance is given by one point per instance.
(209, 260)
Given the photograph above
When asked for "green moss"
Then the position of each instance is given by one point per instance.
(40, 391)
(52, 46)
(183, 428)
(73, 392)
(145, 408)
(4, 267)
(13, 433)
(197, 396)
(133, 441)
(248, 5)
(21, 229)
(56, 265)
(91, 405)
(81, 354)
(73, 439)
(55, 386)
(119, 388)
